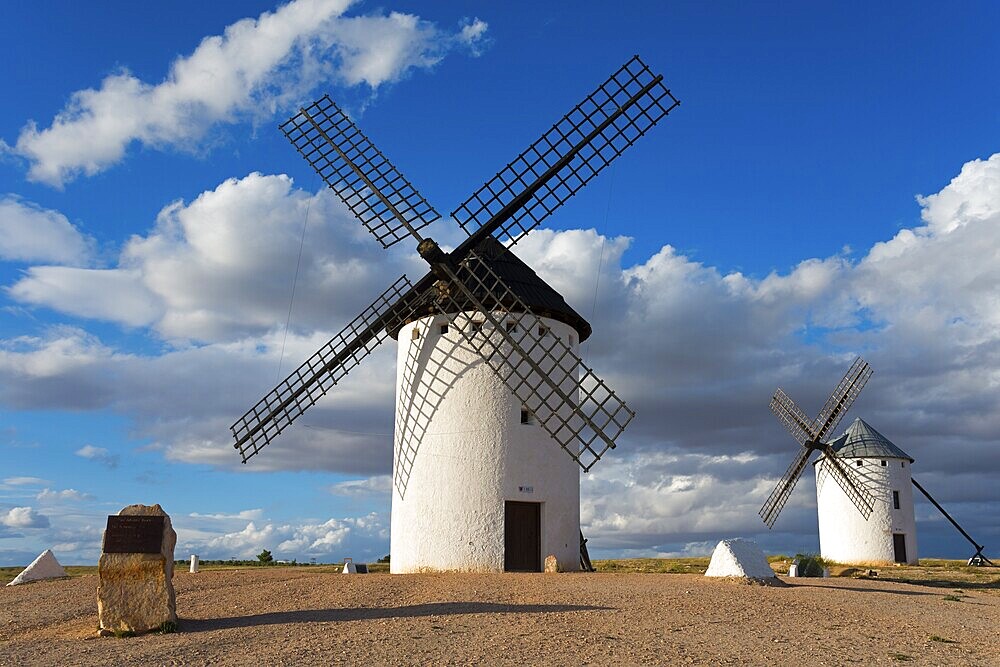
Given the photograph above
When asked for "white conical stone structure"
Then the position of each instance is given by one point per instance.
(474, 488)
(44, 567)
(889, 535)
(739, 557)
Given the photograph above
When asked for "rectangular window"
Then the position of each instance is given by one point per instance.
(543, 331)
(444, 328)
(860, 463)
(476, 326)
(883, 463)
(415, 334)
(526, 416)
(511, 325)
(895, 499)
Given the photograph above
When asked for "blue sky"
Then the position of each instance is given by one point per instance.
(768, 224)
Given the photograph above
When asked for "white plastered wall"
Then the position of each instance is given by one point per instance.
(844, 534)
(461, 451)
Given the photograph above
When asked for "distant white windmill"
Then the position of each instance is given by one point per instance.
(868, 515)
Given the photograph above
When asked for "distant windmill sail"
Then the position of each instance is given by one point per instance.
(575, 406)
(812, 434)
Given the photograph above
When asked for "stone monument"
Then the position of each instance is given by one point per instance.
(552, 564)
(135, 593)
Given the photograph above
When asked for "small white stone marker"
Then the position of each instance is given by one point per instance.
(194, 563)
(44, 567)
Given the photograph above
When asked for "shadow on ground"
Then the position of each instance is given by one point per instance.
(363, 614)
(947, 583)
(866, 590)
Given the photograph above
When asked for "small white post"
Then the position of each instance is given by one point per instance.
(194, 563)
(793, 570)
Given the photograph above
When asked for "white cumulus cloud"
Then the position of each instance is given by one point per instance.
(363, 536)
(256, 68)
(24, 517)
(222, 266)
(30, 233)
(98, 454)
(65, 495)
(359, 488)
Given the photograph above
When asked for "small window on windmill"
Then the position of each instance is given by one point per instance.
(527, 416)
(860, 463)
(572, 340)
(895, 499)
(415, 334)
(444, 329)
(511, 326)
(543, 331)
(883, 463)
(476, 326)
(902, 464)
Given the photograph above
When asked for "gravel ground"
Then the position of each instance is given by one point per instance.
(291, 616)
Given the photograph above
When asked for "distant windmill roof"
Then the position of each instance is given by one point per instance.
(538, 295)
(860, 440)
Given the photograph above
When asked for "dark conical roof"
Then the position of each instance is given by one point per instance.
(538, 295)
(860, 441)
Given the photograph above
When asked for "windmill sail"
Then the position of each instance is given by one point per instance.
(783, 490)
(364, 179)
(850, 481)
(327, 366)
(842, 398)
(570, 154)
(810, 435)
(794, 420)
(569, 400)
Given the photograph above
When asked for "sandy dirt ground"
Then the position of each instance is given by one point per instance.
(293, 616)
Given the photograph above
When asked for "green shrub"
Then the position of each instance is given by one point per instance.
(810, 565)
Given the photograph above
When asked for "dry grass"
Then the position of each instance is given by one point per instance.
(654, 565)
(952, 574)
(8, 573)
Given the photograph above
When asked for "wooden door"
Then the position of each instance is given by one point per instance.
(899, 547)
(522, 537)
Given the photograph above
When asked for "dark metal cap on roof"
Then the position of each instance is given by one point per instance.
(860, 441)
(538, 295)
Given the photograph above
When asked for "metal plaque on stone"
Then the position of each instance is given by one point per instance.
(133, 534)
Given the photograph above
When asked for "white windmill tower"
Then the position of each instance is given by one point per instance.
(889, 534)
(477, 482)
(489, 380)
